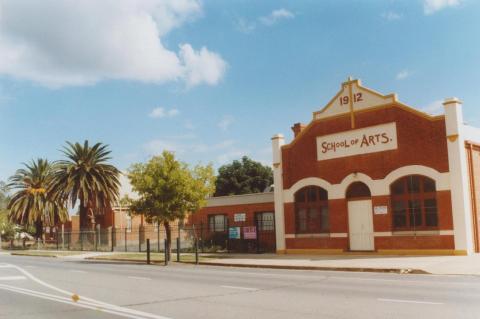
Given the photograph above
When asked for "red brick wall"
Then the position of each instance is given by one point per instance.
(420, 142)
(338, 218)
(418, 242)
(201, 216)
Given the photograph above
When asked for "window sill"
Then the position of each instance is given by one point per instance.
(312, 235)
(430, 232)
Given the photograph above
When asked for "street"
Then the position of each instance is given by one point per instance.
(32, 287)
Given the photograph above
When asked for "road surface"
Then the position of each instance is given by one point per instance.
(35, 287)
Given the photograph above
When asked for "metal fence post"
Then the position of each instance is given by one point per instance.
(95, 237)
(125, 237)
(166, 252)
(257, 232)
(148, 251)
(228, 236)
(113, 238)
(158, 236)
(201, 237)
(140, 239)
(196, 251)
(178, 249)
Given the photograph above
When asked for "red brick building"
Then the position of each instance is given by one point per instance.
(370, 173)
(241, 219)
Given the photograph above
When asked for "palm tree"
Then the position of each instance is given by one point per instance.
(86, 176)
(31, 203)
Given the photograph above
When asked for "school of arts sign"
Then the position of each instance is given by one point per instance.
(366, 140)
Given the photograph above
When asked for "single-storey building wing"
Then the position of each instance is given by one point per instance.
(370, 173)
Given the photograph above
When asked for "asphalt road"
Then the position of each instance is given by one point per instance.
(33, 287)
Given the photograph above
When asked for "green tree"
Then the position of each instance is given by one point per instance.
(7, 228)
(87, 177)
(169, 189)
(31, 203)
(243, 177)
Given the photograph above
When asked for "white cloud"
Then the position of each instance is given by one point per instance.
(435, 108)
(201, 66)
(161, 112)
(62, 43)
(402, 75)
(275, 16)
(225, 122)
(244, 26)
(391, 16)
(432, 6)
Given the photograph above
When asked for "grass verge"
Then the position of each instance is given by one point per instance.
(35, 253)
(142, 257)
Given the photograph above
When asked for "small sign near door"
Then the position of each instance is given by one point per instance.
(234, 233)
(380, 210)
(250, 232)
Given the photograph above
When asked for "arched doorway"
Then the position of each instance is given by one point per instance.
(360, 219)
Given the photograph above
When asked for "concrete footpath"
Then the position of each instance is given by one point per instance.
(441, 265)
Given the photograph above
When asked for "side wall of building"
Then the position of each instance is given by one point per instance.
(473, 156)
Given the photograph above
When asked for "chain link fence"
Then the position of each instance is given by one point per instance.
(218, 236)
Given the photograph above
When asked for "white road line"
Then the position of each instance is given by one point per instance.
(98, 304)
(8, 278)
(70, 302)
(139, 278)
(78, 271)
(403, 281)
(5, 266)
(239, 288)
(410, 301)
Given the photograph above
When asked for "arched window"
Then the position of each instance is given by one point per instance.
(358, 190)
(414, 203)
(311, 210)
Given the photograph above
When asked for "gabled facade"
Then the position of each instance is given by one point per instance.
(370, 173)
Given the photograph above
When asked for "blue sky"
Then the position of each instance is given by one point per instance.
(214, 80)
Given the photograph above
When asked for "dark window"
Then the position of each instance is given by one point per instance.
(358, 190)
(414, 204)
(413, 184)
(311, 210)
(265, 221)
(399, 214)
(431, 217)
(217, 223)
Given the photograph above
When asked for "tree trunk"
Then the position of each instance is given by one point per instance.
(83, 216)
(38, 229)
(168, 232)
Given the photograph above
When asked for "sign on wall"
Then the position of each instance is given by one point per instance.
(366, 140)
(250, 232)
(234, 232)
(380, 210)
(239, 217)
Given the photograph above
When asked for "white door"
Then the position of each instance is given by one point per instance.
(360, 225)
